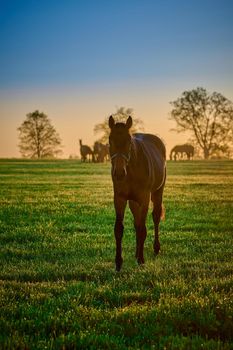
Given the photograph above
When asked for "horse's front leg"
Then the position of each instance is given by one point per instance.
(120, 205)
(141, 234)
(156, 214)
(140, 214)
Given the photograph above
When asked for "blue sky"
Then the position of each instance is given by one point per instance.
(71, 42)
(98, 45)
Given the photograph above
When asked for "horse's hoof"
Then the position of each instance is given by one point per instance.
(118, 265)
(156, 249)
(141, 261)
(156, 252)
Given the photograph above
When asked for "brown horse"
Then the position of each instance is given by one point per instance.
(138, 174)
(101, 152)
(85, 151)
(181, 150)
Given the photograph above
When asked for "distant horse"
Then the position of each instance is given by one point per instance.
(101, 152)
(180, 150)
(85, 151)
(138, 174)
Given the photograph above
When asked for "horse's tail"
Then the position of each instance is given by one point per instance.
(162, 216)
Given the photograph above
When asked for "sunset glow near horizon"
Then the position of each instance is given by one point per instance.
(77, 61)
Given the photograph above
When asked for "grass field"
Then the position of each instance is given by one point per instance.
(58, 286)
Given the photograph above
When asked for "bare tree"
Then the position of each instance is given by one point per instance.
(209, 118)
(120, 115)
(38, 138)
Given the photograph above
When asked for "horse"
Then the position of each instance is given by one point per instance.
(85, 151)
(101, 152)
(181, 149)
(138, 175)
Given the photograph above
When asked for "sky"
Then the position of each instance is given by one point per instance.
(79, 60)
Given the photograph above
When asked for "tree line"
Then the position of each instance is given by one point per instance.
(207, 116)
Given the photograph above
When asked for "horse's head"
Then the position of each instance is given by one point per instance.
(120, 147)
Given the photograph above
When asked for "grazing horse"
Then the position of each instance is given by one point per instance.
(85, 151)
(182, 149)
(138, 175)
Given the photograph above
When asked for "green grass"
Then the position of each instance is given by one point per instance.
(59, 288)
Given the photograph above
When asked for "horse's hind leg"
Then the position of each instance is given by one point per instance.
(135, 209)
(157, 198)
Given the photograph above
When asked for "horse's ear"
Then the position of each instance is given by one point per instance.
(111, 122)
(129, 122)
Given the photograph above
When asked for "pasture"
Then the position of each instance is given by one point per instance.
(59, 288)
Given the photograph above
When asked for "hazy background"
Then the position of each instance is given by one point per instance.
(77, 61)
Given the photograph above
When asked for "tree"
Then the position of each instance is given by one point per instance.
(209, 118)
(121, 115)
(38, 138)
